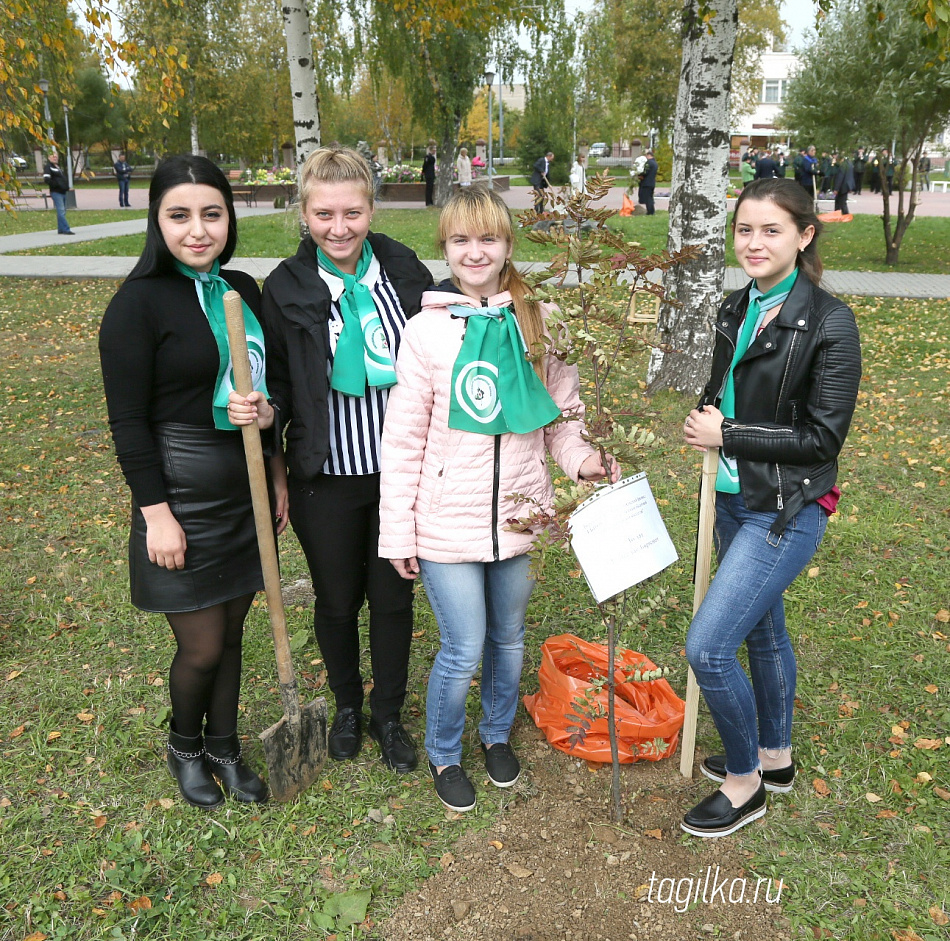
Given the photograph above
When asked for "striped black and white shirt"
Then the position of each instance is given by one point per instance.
(356, 424)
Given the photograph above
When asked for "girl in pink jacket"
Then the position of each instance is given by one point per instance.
(467, 427)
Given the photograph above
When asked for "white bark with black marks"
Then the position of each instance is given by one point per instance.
(303, 79)
(698, 199)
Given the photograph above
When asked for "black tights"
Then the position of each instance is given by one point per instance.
(205, 676)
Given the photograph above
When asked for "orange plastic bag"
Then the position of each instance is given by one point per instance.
(836, 216)
(649, 715)
(627, 207)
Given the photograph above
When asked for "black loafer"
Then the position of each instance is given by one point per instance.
(453, 788)
(398, 750)
(779, 782)
(346, 735)
(715, 816)
(502, 764)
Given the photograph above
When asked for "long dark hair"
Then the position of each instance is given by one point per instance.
(156, 259)
(794, 199)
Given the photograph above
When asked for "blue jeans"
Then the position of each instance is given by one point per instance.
(744, 603)
(480, 608)
(59, 201)
(123, 192)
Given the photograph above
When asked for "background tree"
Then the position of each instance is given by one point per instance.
(99, 114)
(550, 113)
(440, 49)
(872, 65)
(698, 197)
(639, 51)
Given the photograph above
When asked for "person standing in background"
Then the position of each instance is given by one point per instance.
(58, 184)
(123, 173)
(843, 184)
(539, 179)
(428, 174)
(463, 167)
(648, 184)
(857, 166)
(578, 174)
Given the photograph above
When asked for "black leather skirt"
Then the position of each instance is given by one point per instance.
(208, 491)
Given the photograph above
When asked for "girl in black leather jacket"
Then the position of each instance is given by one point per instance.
(785, 375)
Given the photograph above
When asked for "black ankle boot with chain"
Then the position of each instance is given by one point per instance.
(237, 779)
(187, 764)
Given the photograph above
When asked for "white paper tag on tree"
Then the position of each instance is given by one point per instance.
(619, 537)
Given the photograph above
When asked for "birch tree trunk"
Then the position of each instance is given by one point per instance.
(303, 79)
(698, 198)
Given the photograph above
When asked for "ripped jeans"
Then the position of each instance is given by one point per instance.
(744, 603)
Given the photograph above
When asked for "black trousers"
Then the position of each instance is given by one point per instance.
(841, 201)
(430, 188)
(645, 196)
(336, 519)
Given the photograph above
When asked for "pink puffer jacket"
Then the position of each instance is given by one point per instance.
(446, 494)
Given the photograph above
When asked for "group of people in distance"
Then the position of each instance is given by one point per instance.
(400, 418)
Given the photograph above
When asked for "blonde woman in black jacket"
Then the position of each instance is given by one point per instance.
(786, 369)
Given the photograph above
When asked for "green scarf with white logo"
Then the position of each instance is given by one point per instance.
(727, 474)
(362, 354)
(494, 387)
(211, 288)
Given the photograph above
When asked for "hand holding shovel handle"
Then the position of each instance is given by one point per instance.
(707, 519)
(295, 748)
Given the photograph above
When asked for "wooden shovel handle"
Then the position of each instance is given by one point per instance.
(254, 453)
(704, 539)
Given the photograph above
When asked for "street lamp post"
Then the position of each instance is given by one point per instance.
(44, 88)
(501, 122)
(69, 149)
(489, 80)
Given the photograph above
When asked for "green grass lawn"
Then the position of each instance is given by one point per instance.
(853, 246)
(95, 844)
(40, 220)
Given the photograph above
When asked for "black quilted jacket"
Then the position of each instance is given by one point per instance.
(796, 389)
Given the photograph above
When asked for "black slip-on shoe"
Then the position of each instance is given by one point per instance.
(346, 734)
(714, 816)
(397, 748)
(453, 788)
(502, 764)
(778, 782)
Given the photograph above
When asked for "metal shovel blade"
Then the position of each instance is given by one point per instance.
(295, 752)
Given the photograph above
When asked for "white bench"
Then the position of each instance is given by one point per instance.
(943, 184)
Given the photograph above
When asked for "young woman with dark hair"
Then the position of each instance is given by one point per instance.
(193, 548)
(468, 426)
(785, 375)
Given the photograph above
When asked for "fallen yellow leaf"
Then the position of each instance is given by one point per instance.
(85, 716)
(814, 571)
(656, 834)
(820, 787)
(938, 916)
(214, 878)
(943, 616)
(141, 903)
(872, 798)
(931, 688)
(928, 744)
(53, 736)
(13, 675)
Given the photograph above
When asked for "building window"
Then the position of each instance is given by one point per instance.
(778, 45)
(774, 90)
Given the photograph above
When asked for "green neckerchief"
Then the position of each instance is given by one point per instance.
(727, 475)
(494, 387)
(362, 351)
(211, 288)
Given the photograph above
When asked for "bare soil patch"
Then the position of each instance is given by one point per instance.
(552, 868)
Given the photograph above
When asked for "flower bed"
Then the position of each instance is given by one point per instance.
(416, 192)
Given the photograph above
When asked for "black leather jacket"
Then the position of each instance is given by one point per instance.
(796, 389)
(296, 314)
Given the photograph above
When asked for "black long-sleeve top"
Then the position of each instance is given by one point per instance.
(159, 364)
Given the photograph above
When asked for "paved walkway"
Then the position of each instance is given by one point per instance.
(864, 283)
